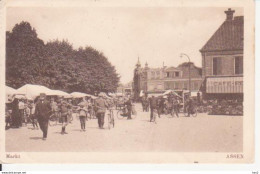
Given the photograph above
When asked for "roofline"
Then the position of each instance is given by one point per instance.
(202, 51)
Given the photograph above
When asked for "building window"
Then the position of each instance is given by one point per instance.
(172, 85)
(196, 85)
(185, 85)
(167, 85)
(167, 74)
(239, 65)
(176, 85)
(216, 66)
(177, 74)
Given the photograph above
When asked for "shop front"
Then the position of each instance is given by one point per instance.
(226, 87)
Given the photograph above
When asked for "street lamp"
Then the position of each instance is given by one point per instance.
(182, 54)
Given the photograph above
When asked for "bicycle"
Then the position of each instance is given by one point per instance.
(110, 119)
(123, 113)
(193, 111)
(54, 119)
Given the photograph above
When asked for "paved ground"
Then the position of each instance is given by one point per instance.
(203, 133)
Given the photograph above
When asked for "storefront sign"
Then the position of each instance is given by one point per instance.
(225, 85)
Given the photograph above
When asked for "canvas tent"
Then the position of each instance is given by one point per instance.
(171, 91)
(9, 90)
(119, 94)
(32, 91)
(60, 93)
(112, 95)
(154, 94)
(9, 93)
(81, 95)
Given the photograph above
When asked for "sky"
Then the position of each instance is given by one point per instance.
(154, 34)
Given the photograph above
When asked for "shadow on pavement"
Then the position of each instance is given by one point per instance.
(95, 128)
(76, 130)
(146, 120)
(35, 138)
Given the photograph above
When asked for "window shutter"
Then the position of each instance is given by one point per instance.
(219, 66)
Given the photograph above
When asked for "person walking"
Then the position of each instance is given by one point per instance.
(153, 106)
(32, 115)
(21, 106)
(128, 104)
(7, 118)
(82, 116)
(146, 104)
(143, 103)
(160, 106)
(189, 106)
(101, 106)
(69, 106)
(15, 114)
(42, 112)
(176, 106)
(64, 116)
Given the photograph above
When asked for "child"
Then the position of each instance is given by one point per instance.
(64, 116)
(7, 118)
(32, 115)
(27, 113)
(82, 117)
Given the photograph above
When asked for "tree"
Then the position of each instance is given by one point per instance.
(22, 46)
(56, 64)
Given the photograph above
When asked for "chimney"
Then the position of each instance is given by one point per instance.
(229, 14)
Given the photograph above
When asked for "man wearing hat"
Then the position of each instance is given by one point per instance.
(128, 104)
(153, 106)
(42, 112)
(101, 106)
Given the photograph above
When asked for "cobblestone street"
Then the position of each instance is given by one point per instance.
(204, 133)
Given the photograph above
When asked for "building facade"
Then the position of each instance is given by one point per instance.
(125, 89)
(222, 60)
(158, 80)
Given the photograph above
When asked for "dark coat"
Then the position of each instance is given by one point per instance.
(153, 103)
(128, 104)
(43, 110)
(101, 105)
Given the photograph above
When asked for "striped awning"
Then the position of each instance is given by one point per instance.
(224, 85)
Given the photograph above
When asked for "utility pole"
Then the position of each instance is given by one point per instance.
(182, 54)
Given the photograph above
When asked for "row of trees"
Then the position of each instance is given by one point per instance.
(55, 64)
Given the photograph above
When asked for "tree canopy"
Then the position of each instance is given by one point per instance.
(55, 64)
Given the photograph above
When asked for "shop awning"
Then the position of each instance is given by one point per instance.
(224, 85)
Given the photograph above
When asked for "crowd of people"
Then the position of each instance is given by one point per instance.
(40, 111)
(173, 104)
(168, 104)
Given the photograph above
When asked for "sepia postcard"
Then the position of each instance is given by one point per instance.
(117, 81)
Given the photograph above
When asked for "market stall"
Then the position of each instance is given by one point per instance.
(32, 91)
(9, 93)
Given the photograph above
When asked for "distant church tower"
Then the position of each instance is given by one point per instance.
(137, 80)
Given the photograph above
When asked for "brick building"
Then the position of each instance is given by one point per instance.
(222, 60)
(158, 80)
(178, 78)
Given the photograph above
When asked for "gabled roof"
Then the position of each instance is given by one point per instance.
(229, 36)
(172, 69)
